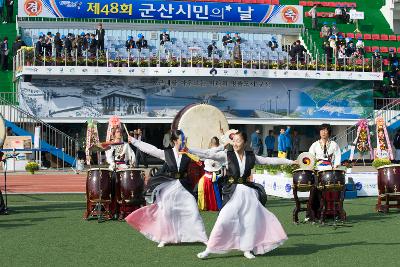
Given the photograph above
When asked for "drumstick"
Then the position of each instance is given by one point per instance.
(126, 130)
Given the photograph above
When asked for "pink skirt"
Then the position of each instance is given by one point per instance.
(173, 218)
(244, 224)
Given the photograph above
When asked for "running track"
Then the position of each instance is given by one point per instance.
(54, 182)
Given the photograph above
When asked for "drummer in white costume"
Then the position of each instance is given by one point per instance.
(243, 223)
(326, 152)
(119, 153)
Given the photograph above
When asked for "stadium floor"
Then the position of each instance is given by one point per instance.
(48, 230)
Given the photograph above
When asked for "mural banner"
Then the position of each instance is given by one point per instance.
(150, 97)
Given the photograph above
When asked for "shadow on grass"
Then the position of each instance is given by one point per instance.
(308, 249)
(14, 223)
(47, 208)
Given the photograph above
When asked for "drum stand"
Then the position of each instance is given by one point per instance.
(324, 206)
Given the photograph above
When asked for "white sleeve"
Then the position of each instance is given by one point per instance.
(338, 155)
(148, 149)
(312, 149)
(109, 156)
(214, 154)
(273, 161)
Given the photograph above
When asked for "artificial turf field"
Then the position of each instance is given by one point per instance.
(48, 230)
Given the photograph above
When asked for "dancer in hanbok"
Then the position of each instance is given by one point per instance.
(243, 223)
(174, 216)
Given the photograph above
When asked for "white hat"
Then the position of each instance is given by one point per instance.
(212, 165)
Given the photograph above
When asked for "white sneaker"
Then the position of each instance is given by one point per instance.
(203, 255)
(249, 255)
(161, 244)
(4, 22)
(306, 219)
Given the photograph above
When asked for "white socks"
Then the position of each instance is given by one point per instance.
(203, 254)
(161, 244)
(249, 255)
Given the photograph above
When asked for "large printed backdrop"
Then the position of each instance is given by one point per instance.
(162, 10)
(162, 97)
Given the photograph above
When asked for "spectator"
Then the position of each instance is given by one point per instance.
(338, 14)
(340, 41)
(345, 15)
(334, 29)
(350, 50)
(352, 11)
(288, 146)
(68, 45)
(329, 53)
(237, 38)
(237, 51)
(313, 14)
(256, 142)
(77, 44)
(141, 42)
(100, 34)
(296, 145)
(39, 47)
(93, 45)
(392, 56)
(326, 30)
(58, 44)
(282, 142)
(47, 47)
(341, 54)
(376, 55)
(299, 51)
(360, 43)
(332, 43)
(212, 49)
(227, 39)
(396, 144)
(130, 43)
(10, 11)
(270, 143)
(4, 51)
(273, 44)
(86, 42)
(164, 37)
(17, 44)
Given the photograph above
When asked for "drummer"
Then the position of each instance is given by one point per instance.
(326, 152)
(120, 155)
(328, 156)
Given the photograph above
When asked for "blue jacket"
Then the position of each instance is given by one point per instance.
(270, 142)
(288, 141)
(282, 139)
(255, 140)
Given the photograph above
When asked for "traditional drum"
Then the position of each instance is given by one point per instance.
(332, 185)
(129, 187)
(199, 123)
(303, 179)
(99, 193)
(388, 187)
(331, 180)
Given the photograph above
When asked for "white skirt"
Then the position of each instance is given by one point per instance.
(173, 218)
(245, 224)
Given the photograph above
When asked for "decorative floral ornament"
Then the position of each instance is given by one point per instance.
(383, 148)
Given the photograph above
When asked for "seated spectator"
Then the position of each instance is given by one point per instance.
(325, 30)
(237, 38)
(332, 42)
(130, 43)
(348, 40)
(334, 29)
(212, 49)
(340, 41)
(273, 44)
(227, 39)
(39, 47)
(141, 42)
(164, 37)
